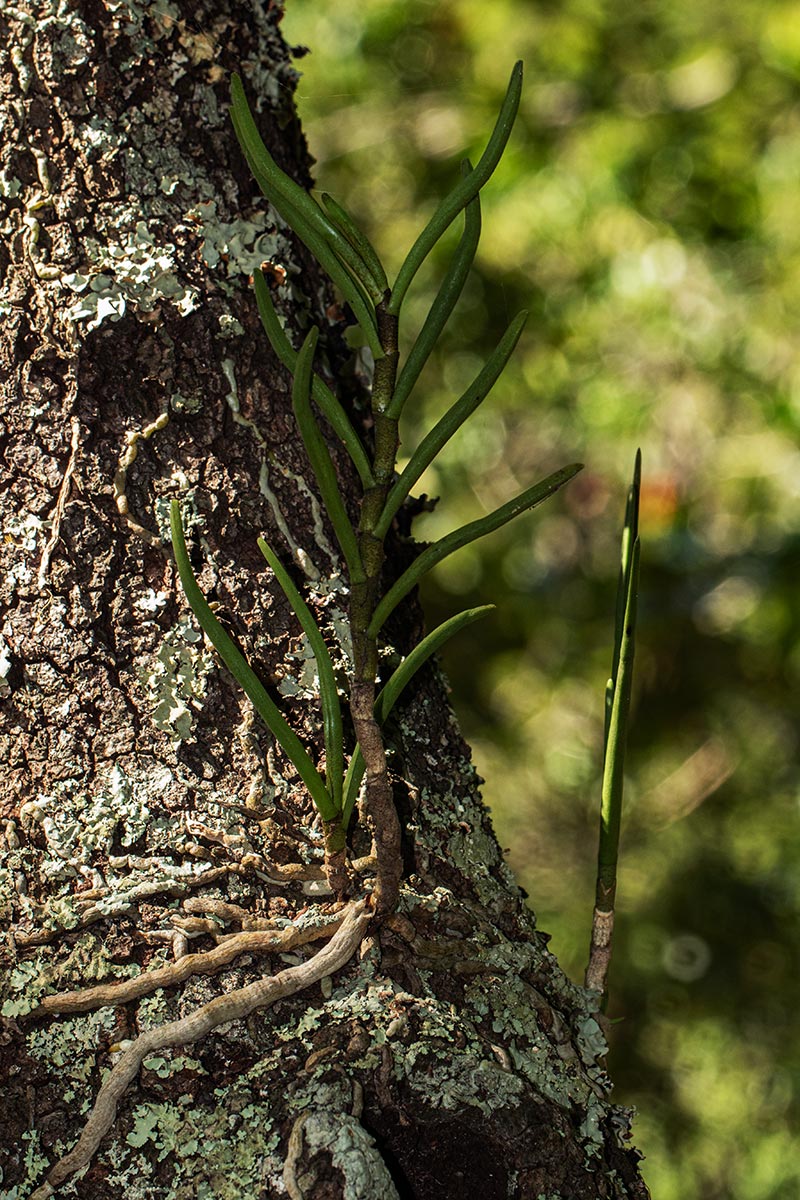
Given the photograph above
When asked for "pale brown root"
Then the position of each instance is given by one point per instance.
(234, 1006)
(271, 941)
(379, 801)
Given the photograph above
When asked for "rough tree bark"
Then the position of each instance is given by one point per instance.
(145, 813)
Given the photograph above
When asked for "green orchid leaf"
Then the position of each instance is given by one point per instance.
(463, 536)
(329, 695)
(452, 421)
(320, 458)
(444, 303)
(630, 531)
(611, 803)
(462, 193)
(323, 397)
(333, 252)
(360, 243)
(390, 694)
(617, 711)
(245, 676)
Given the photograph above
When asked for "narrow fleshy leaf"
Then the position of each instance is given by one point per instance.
(630, 532)
(444, 303)
(329, 695)
(324, 398)
(360, 242)
(452, 421)
(611, 807)
(323, 239)
(462, 193)
(463, 536)
(390, 694)
(320, 458)
(245, 676)
(617, 710)
(281, 189)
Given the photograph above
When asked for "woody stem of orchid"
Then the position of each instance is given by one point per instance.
(379, 801)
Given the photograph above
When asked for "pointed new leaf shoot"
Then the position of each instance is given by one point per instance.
(452, 421)
(329, 695)
(462, 193)
(617, 704)
(323, 239)
(324, 398)
(390, 694)
(360, 242)
(463, 536)
(446, 299)
(244, 674)
(320, 458)
(630, 532)
(611, 808)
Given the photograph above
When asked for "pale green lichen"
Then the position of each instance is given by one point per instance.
(240, 245)
(165, 1067)
(71, 1046)
(216, 1154)
(229, 327)
(352, 1151)
(129, 16)
(303, 682)
(463, 1080)
(55, 967)
(137, 270)
(78, 833)
(151, 601)
(590, 1131)
(10, 186)
(24, 529)
(98, 134)
(185, 404)
(35, 1161)
(84, 826)
(176, 679)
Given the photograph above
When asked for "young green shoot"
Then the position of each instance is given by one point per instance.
(618, 698)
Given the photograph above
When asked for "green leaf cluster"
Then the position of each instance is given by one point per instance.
(351, 262)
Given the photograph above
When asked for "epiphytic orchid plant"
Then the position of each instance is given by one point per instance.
(352, 264)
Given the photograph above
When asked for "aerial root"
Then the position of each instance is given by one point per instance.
(272, 941)
(233, 1006)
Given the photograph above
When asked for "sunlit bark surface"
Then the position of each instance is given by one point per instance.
(147, 817)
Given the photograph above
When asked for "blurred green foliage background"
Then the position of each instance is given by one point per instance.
(647, 212)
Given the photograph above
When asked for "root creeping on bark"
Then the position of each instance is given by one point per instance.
(233, 1006)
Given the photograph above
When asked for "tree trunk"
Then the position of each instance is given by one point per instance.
(147, 815)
